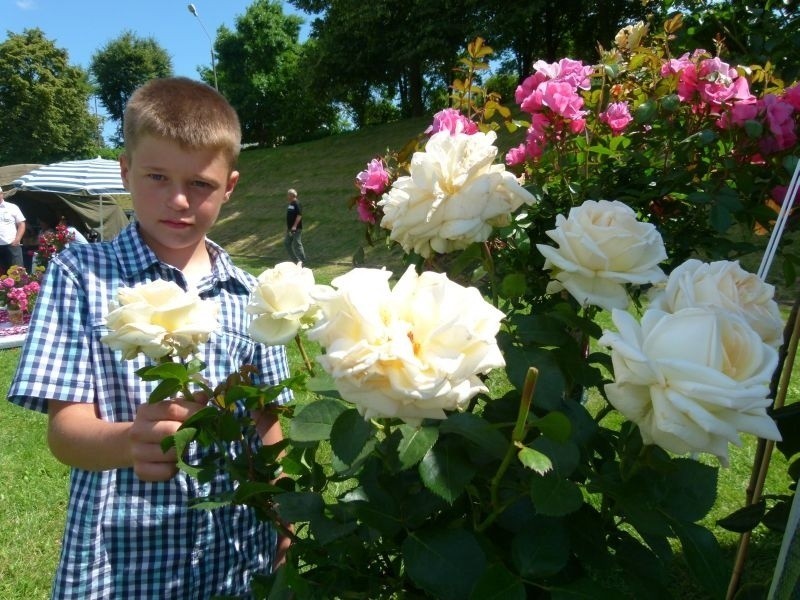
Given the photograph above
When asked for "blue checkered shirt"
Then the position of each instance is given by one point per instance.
(127, 538)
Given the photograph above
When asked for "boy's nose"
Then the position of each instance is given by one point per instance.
(179, 197)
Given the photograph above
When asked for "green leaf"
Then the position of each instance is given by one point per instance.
(167, 388)
(248, 489)
(315, 421)
(555, 425)
(541, 548)
(445, 471)
(692, 489)
(375, 506)
(535, 460)
(513, 285)
(349, 434)
(555, 496)
(498, 583)
(168, 370)
(415, 443)
(194, 366)
(300, 506)
(565, 456)
(445, 563)
(230, 430)
(478, 431)
(745, 519)
(704, 557)
(323, 384)
(583, 588)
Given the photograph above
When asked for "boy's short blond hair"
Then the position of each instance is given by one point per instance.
(189, 112)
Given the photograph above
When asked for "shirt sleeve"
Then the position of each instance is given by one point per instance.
(55, 354)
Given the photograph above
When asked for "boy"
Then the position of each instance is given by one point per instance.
(129, 533)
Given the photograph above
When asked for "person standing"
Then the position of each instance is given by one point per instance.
(12, 228)
(294, 228)
(130, 530)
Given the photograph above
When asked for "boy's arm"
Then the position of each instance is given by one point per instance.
(78, 438)
(269, 429)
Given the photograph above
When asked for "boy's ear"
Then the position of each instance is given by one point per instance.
(233, 179)
(123, 170)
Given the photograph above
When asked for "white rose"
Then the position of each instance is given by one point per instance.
(282, 303)
(727, 285)
(630, 37)
(453, 196)
(159, 319)
(692, 379)
(602, 247)
(411, 352)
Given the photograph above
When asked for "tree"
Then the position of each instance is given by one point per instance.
(44, 102)
(121, 66)
(263, 71)
(388, 49)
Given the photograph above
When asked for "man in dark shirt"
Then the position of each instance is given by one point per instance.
(294, 229)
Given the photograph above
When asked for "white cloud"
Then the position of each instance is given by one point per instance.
(26, 4)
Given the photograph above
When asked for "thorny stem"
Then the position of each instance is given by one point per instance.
(306, 360)
(488, 260)
(517, 435)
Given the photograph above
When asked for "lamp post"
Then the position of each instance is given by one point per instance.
(193, 10)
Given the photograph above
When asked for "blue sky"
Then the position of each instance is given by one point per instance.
(82, 27)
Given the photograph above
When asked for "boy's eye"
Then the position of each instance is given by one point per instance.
(156, 176)
(201, 184)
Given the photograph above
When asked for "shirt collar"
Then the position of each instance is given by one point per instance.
(135, 257)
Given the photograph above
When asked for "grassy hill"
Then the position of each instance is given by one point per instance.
(252, 224)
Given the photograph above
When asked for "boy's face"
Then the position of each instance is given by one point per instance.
(176, 193)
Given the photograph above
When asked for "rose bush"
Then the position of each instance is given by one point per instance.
(570, 471)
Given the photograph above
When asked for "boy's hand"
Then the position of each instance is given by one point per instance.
(152, 424)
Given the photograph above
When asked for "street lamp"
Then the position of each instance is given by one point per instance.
(193, 10)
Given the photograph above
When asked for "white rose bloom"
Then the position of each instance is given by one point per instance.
(691, 380)
(282, 303)
(727, 285)
(454, 195)
(159, 319)
(411, 352)
(602, 247)
(630, 37)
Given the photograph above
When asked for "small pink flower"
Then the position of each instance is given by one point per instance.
(516, 156)
(617, 116)
(779, 118)
(366, 211)
(453, 121)
(573, 72)
(792, 96)
(375, 178)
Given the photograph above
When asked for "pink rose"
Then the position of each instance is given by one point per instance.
(375, 178)
(567, 70)
(453, 121)
(780, 120)
(792, 96)
(617, 116)
(366, 211)
(516, 156)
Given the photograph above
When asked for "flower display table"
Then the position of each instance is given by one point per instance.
(11, 336)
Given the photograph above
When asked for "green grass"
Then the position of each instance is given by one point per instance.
(34, 485)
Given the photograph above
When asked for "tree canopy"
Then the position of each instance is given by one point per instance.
(263, 71)
(121, 66)
(44, 102)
